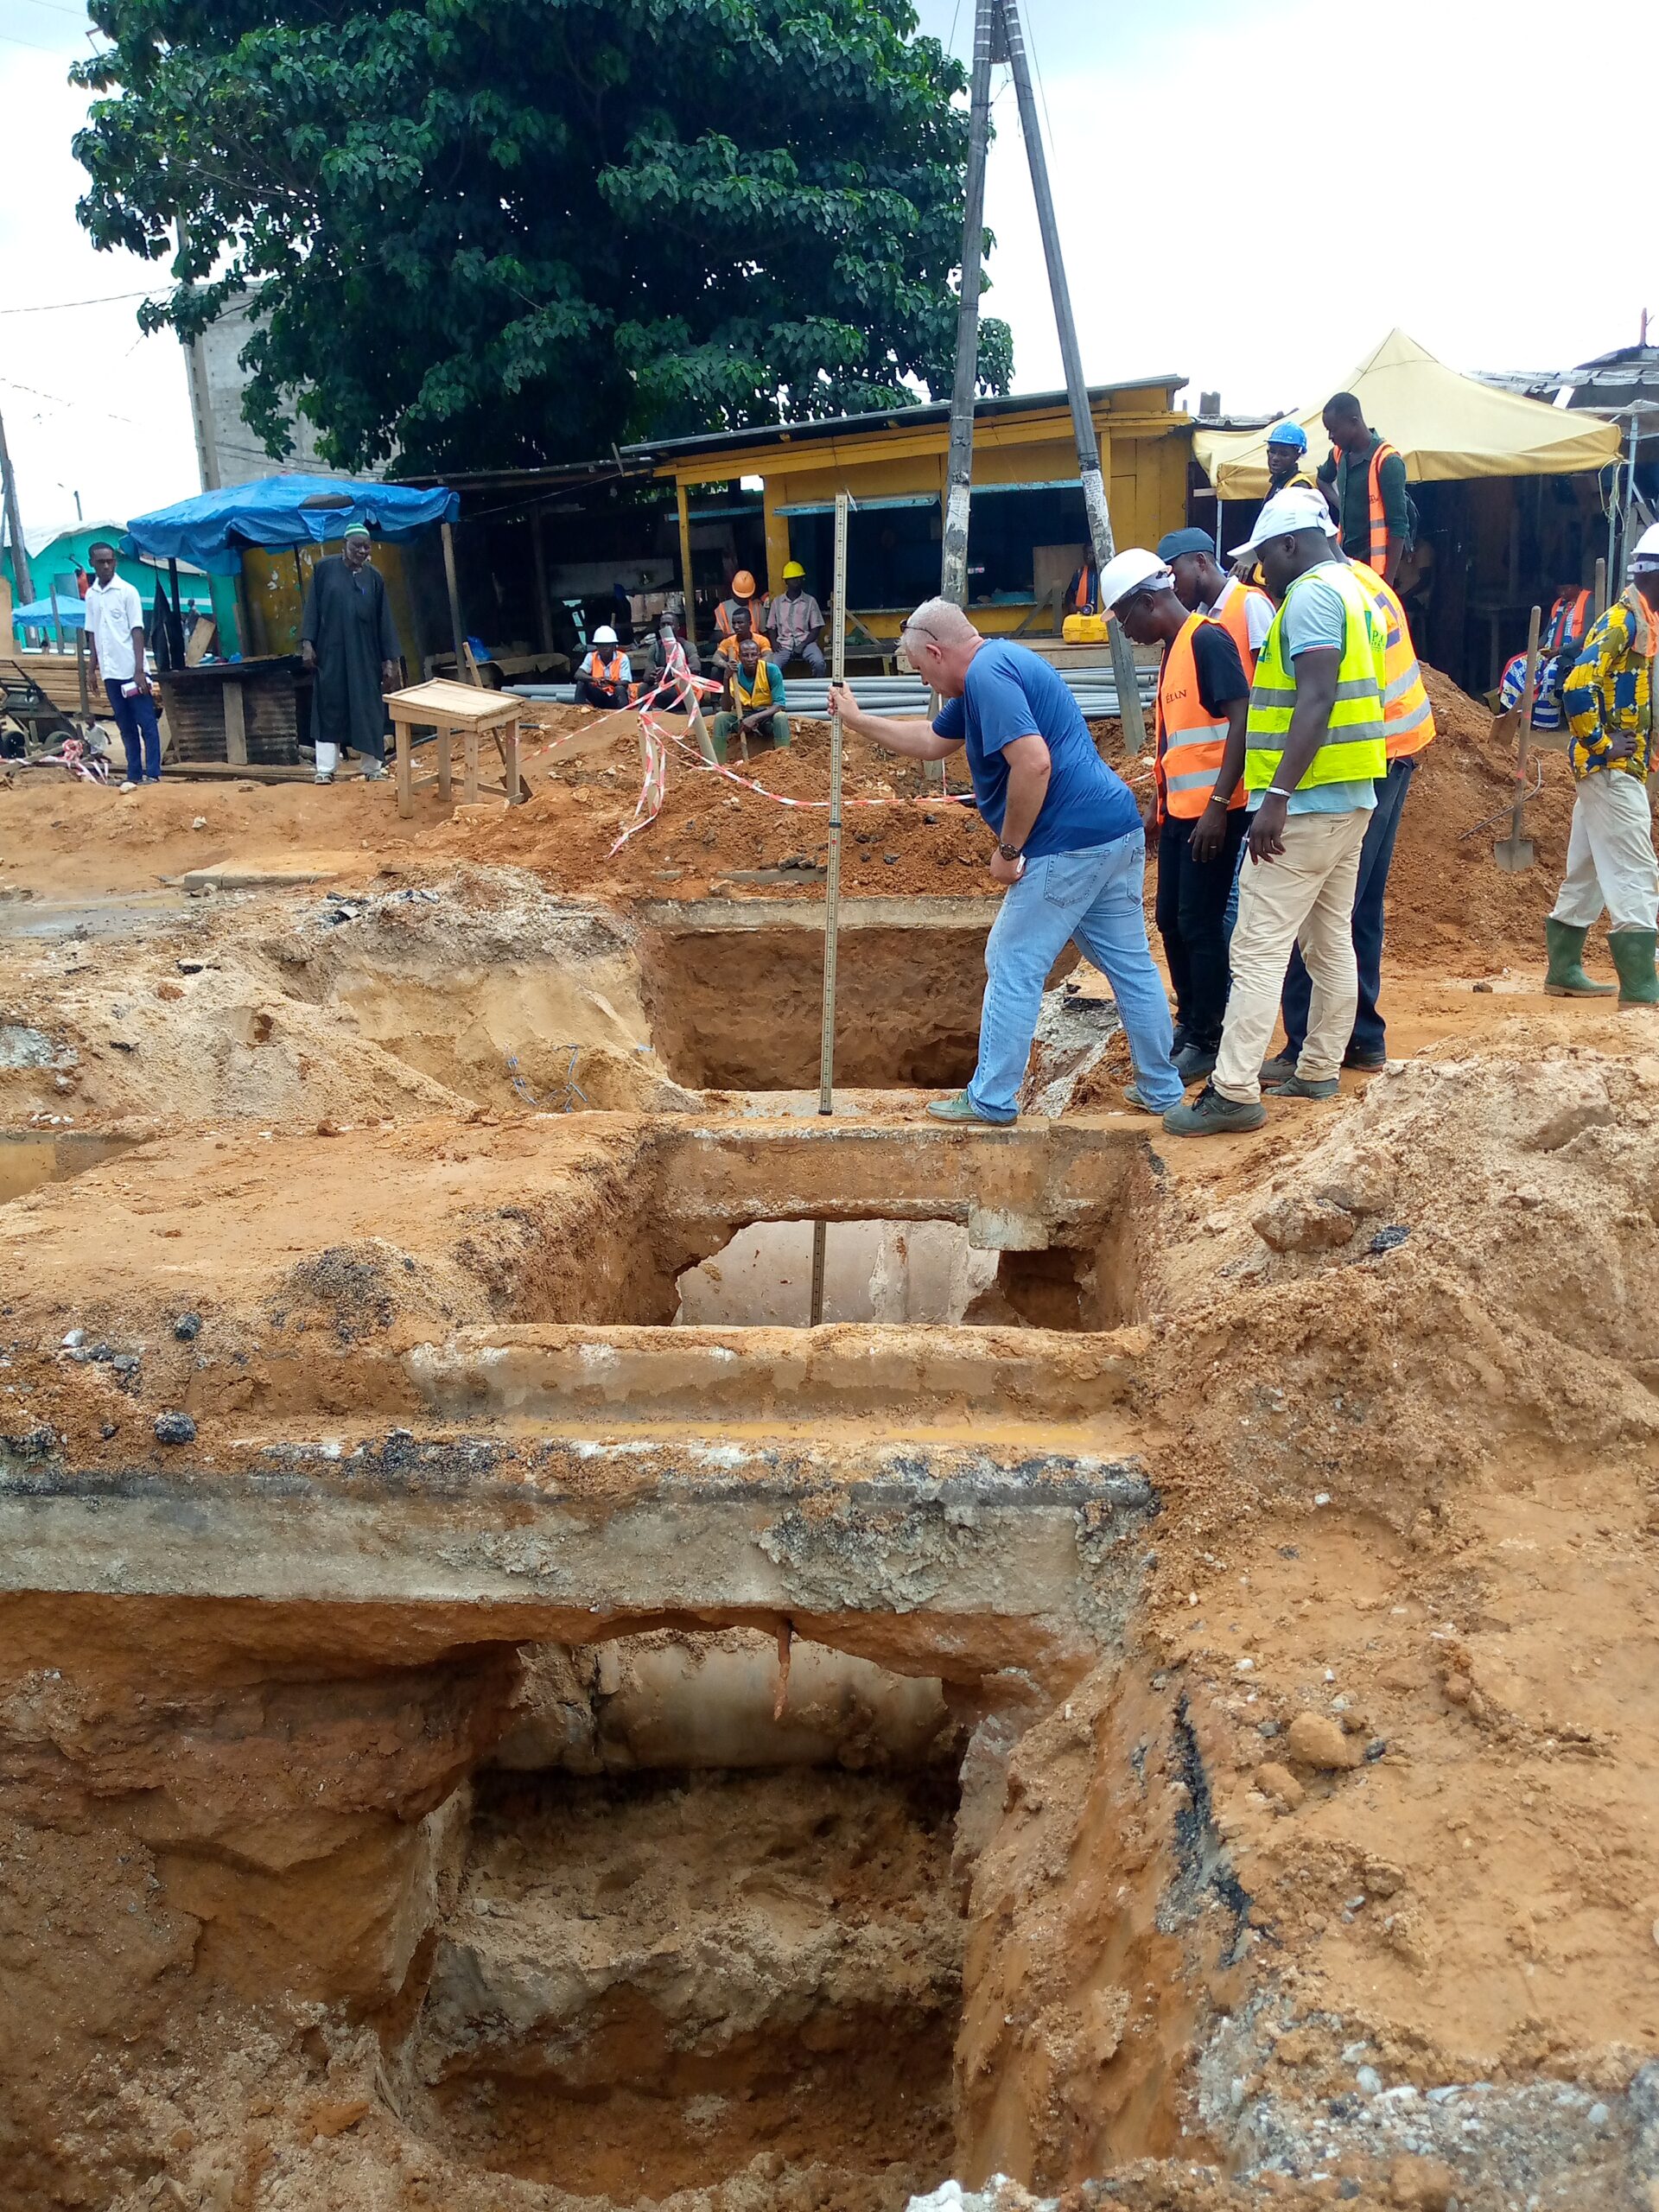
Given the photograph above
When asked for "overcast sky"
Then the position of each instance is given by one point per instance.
(1251, 197)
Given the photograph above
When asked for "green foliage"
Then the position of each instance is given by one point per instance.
(488, 231)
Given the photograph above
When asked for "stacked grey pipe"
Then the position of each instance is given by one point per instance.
(1093, 689)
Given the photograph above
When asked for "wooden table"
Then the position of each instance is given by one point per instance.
(452, 709)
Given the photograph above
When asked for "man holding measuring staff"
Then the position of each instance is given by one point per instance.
(1070, 851)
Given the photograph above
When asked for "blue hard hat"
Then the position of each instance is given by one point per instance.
(1288, 434)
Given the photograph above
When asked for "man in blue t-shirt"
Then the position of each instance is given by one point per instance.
(1069, 849)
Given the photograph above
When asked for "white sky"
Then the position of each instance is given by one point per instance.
(1252, 196)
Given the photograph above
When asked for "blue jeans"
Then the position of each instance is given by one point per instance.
(1369, 1037)
(1094, 897)
(141, 733)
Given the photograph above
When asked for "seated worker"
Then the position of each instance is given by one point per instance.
(743, 593)
(757, 686)
(794, 620)
(742, 626)
(605, 677)
(671, 627)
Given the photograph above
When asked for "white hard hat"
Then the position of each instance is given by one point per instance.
(1134, 570)
(1646, 555)
(603, 635)
(1295, 509)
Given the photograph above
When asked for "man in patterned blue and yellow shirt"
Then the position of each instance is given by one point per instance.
(1608, 701)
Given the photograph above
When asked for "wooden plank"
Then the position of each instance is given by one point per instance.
(516, 793)
(446, 783)
(470, 776)
(236, 727)
(405, 790)
(459, 704)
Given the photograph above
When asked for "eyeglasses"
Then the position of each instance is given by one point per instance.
(921, 630)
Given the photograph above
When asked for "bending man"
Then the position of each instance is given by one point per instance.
(1070, 852)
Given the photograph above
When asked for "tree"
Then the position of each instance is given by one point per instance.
(488, 231)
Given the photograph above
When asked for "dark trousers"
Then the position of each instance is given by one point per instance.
(1191, 916)
(141, 733)
(1369, 1037)
(589, 694)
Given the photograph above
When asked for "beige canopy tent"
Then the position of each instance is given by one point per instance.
(1447, 427)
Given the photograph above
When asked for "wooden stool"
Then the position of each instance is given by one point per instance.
(450, 709)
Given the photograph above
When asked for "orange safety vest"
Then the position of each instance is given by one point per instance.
(723, 619)
(1379, 527)
(1190, 742)
(598, 673)
(1232, 611)
(1569, 622)
(1408, 717)
(1086, 598)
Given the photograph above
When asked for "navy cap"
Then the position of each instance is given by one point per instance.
(1177, 541)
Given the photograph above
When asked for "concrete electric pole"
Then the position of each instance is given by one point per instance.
(21, 577)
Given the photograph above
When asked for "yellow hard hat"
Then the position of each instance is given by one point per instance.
(792, 568)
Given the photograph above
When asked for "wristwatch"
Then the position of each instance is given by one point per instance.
(1008, 852)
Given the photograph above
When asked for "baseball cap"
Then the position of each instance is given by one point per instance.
(792, 568)
(1134, 570)
(1646, 555)
(1282, 516)
(1288, 434)
(1175, 543)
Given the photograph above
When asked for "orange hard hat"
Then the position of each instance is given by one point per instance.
(742, 585)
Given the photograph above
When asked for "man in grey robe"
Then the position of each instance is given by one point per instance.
(348, 640)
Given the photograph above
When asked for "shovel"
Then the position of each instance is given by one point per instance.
(1514, 853)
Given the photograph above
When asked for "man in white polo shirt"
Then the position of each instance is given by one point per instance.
(114, 634)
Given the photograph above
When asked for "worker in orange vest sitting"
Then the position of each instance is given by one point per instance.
(1203, 699)
(743, 594)
(1366, 478)
(605, 676)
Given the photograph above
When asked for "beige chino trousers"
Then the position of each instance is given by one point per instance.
(1305, 897)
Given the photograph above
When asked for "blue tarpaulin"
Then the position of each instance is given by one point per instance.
(213, 531)
(37, 615)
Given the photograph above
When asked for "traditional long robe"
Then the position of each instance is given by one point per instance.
(348, 619)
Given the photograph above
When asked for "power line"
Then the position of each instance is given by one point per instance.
(57, 7)
(103, 300)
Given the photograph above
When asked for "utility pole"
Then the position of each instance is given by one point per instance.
(959, 474)
(1082, 421)
(19, 572)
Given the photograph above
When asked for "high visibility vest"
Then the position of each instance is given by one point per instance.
(1355, 745)
(1569, 623)
(723, 614)
(757, 695)
(1379, 526)
(1232, 611)
(1406, 710)
(1085, 596)
(1191, 740)
(596, 672)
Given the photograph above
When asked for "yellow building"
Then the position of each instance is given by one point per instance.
(1027, 535)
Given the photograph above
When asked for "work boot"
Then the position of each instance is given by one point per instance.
(1133, 1095)
(1565, 978)
(962, 1108)
(1279, 1068)
(1367, 1061)
(1301, 1086)
(1210, 1115)
(1632, 951)
(1194, 1062)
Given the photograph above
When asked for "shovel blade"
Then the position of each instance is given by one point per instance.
(1513, 855)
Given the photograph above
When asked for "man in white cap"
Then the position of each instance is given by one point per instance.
(1070, 852)
(1199, 822)
(606, 676)
(1608, 700)
(349, 642)
(1313, 748)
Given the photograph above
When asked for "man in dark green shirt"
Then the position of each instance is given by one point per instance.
(1352, 478)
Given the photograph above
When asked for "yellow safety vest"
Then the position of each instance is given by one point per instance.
(1355, 745)
(760, 696)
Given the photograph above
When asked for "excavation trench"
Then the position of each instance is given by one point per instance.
(737, 1940)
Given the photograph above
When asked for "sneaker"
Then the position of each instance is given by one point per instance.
(962, 1108)
(1301, 1086)
(1367, 1063)
(1279, 1068)
(129, 785)
(1194, 1062)
(1210, 1115)
(1133, 1095)
(374, 772)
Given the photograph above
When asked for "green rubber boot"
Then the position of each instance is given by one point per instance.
(1566, 978)
(1632, 951)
